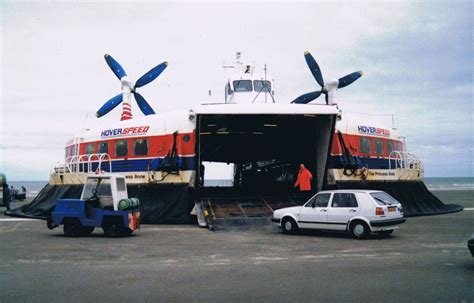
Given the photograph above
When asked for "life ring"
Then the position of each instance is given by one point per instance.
(364, 172)
(350, 173)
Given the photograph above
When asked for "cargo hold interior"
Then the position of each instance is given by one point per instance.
(266, 151)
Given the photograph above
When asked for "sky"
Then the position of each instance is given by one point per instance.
(417, 59)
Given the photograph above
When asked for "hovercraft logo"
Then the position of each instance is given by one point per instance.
(128, 131)
(369, 130)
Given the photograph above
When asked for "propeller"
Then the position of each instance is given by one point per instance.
(327, 88)
(128, 87)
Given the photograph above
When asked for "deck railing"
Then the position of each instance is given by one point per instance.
(83, 163)
(405, 160)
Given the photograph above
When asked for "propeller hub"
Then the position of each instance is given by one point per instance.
(127, 84)
(331, 84)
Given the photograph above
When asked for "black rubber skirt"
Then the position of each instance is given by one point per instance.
(416, 199)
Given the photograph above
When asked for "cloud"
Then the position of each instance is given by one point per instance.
(417, 58)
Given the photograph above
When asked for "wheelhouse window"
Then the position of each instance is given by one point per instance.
(365, 146)
(90, 148)
(378, 147)
(396, 146)
(68, 151)
(262, 86)
(103, 148)
(242, 85)
(389, 147)
(140, 147)
(121, 148)
(344, 200)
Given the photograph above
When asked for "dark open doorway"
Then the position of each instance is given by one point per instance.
(266, 151)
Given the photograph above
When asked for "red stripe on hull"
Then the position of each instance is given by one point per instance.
(352, 143)
(158, 146)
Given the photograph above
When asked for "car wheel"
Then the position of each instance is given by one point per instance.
(72, 228)
(288, 226)
(360, 229)
(386, 233)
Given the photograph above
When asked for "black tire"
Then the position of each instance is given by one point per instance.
(359, 229)
(386, 233)
(87, 230)
(289, 226)
(115, 229)
(72, 228)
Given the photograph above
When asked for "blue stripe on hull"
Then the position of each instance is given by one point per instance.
(371, 163)
(132, 165)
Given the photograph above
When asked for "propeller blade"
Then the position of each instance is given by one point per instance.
(115, 66)
(144, 106)
(151, 75)
(314, 68)
(327, 98)
(346, 80)
(306, 98)
(109, 105)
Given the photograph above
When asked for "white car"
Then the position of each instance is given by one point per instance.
(357, 211)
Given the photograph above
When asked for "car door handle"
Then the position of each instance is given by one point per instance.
(324, 210)
(352, 210)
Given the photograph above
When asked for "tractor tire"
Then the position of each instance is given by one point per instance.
(87, 230)
(115, 229)
(72, 228)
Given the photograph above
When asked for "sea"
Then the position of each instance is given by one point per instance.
(433, 184)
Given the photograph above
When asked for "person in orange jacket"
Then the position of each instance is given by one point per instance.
(304, 179)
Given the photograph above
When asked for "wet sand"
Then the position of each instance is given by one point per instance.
(461, 197)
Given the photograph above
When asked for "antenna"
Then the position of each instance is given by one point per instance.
(238, 55)
(265, 83)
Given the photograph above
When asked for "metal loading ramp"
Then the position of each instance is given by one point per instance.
(227, 209)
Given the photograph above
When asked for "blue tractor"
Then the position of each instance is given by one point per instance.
(104, 203)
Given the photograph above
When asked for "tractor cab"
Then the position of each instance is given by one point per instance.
(104, 190)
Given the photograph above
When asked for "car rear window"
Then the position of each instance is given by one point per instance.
(344, 200)
(384, 199)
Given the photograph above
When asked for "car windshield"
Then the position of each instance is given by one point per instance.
(384, 198)
(102, 186)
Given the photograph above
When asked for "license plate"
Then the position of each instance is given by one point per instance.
(392, 209)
